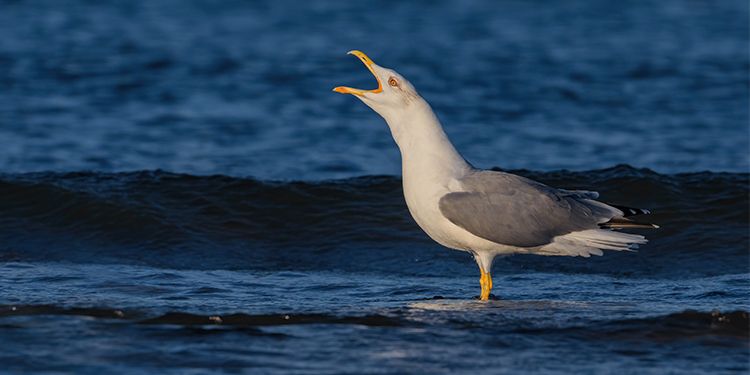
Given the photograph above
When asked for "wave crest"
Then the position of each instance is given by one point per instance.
(179, 220)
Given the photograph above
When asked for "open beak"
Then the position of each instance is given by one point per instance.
(368, 63)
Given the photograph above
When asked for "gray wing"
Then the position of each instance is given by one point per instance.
(513, 210)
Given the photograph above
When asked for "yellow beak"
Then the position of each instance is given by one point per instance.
(368, 63)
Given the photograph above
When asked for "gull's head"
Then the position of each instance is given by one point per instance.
(393, 95)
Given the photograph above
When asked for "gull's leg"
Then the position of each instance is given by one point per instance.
(485, 281)
(484, 261)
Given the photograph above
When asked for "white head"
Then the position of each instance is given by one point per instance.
(413, 124)
(393, 98)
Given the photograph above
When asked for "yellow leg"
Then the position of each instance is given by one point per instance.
(486, 282)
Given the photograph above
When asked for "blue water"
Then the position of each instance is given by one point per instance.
(181, 192)
(244, 88)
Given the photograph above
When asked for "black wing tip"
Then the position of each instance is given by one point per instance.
(623, 223)
(632, 224)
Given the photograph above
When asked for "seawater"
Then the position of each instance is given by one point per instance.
(180, 192)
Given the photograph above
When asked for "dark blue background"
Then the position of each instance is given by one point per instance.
(243, 88)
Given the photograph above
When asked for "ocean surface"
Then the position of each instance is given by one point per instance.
(181, 192)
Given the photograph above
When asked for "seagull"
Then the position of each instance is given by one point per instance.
(484, 212)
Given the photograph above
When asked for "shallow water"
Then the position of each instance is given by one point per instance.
(338, 322)
(180, 192)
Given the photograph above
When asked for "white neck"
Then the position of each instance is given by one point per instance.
(426, 151)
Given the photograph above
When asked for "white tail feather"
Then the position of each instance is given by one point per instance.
(591, 242)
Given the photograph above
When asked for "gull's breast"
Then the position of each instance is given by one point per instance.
(422, 199)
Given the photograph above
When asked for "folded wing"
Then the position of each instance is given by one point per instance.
(515, 211)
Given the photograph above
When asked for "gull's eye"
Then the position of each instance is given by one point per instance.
(392, 81)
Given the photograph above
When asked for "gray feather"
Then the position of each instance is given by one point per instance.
(513, 210)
